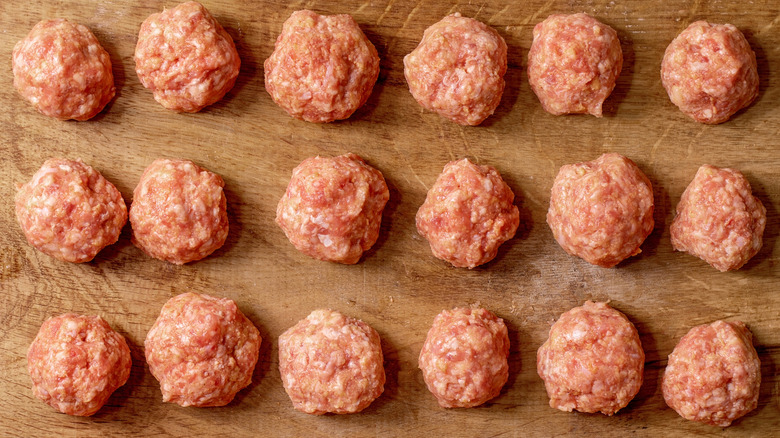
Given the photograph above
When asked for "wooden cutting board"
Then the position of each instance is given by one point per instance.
(399, 286)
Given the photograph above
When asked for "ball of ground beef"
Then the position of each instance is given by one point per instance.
(464, 358)
(202, 350)
(593, 360)
(710, 72)
(179, 211)
(332, 208)
(322, 69)
(574, 63)
(331, 363)
(713, 375)
(468, 214)
(76, 362)
(601, 210)
(186, 58)
(718, 219)
(458, 69)
(69, 211)
(62, 69)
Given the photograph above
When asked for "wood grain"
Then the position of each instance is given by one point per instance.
(399, 286)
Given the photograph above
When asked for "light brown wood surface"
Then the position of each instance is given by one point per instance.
(398, 287)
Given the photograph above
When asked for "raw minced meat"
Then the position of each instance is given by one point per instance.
(718, 219)
(323, 68)
(332, 208)
(202, 349)
(69, 211)
(710, 72)
(186, 58)
(601, 210)
(458, 69)
(713, 375)
(331, 363)
(574, 63)
(468, 214)
(62, 69)
(179, 211)
(593, 360)
(464, 358)
(76, 362)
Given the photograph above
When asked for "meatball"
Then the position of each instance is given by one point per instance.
(69, 211)
(332, 207)
(331, 363)
(710, 72)
(573, 64)
(322, 69)
(458, 69)
(718, 219)
(62, 69)
(468, 214)
(76, 362)
(179, 211)
(202, 349)
(186, 58)
(713, 375)
(464, 358)
(601, 210)
(593, 360)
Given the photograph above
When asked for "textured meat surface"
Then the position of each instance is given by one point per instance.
(718, 219)
(573, 63)
(76, 362)
(179, 211)
(468, 214)
(710, 72)
(593, 360)
(323, 68)
(713, 375)
(69, 211)
(332, 208)
(202, 349)
(601, 210)
(62, 69)
(331, 363)
(186, 58)
(464, 358)
(458, 69)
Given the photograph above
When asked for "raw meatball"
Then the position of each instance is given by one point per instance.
(464, 358)
(573, 63)
(62, 69)
(601, 210)
(202, 349)
(332, 208)
(179, 211)
(69, 211)
(323, 68)
(709, 72)
(718, 219)
(458, 69)
(468, 214)
(593, 360)
(713, 375)
(186, 58)
(331, 363)
(76, 362)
